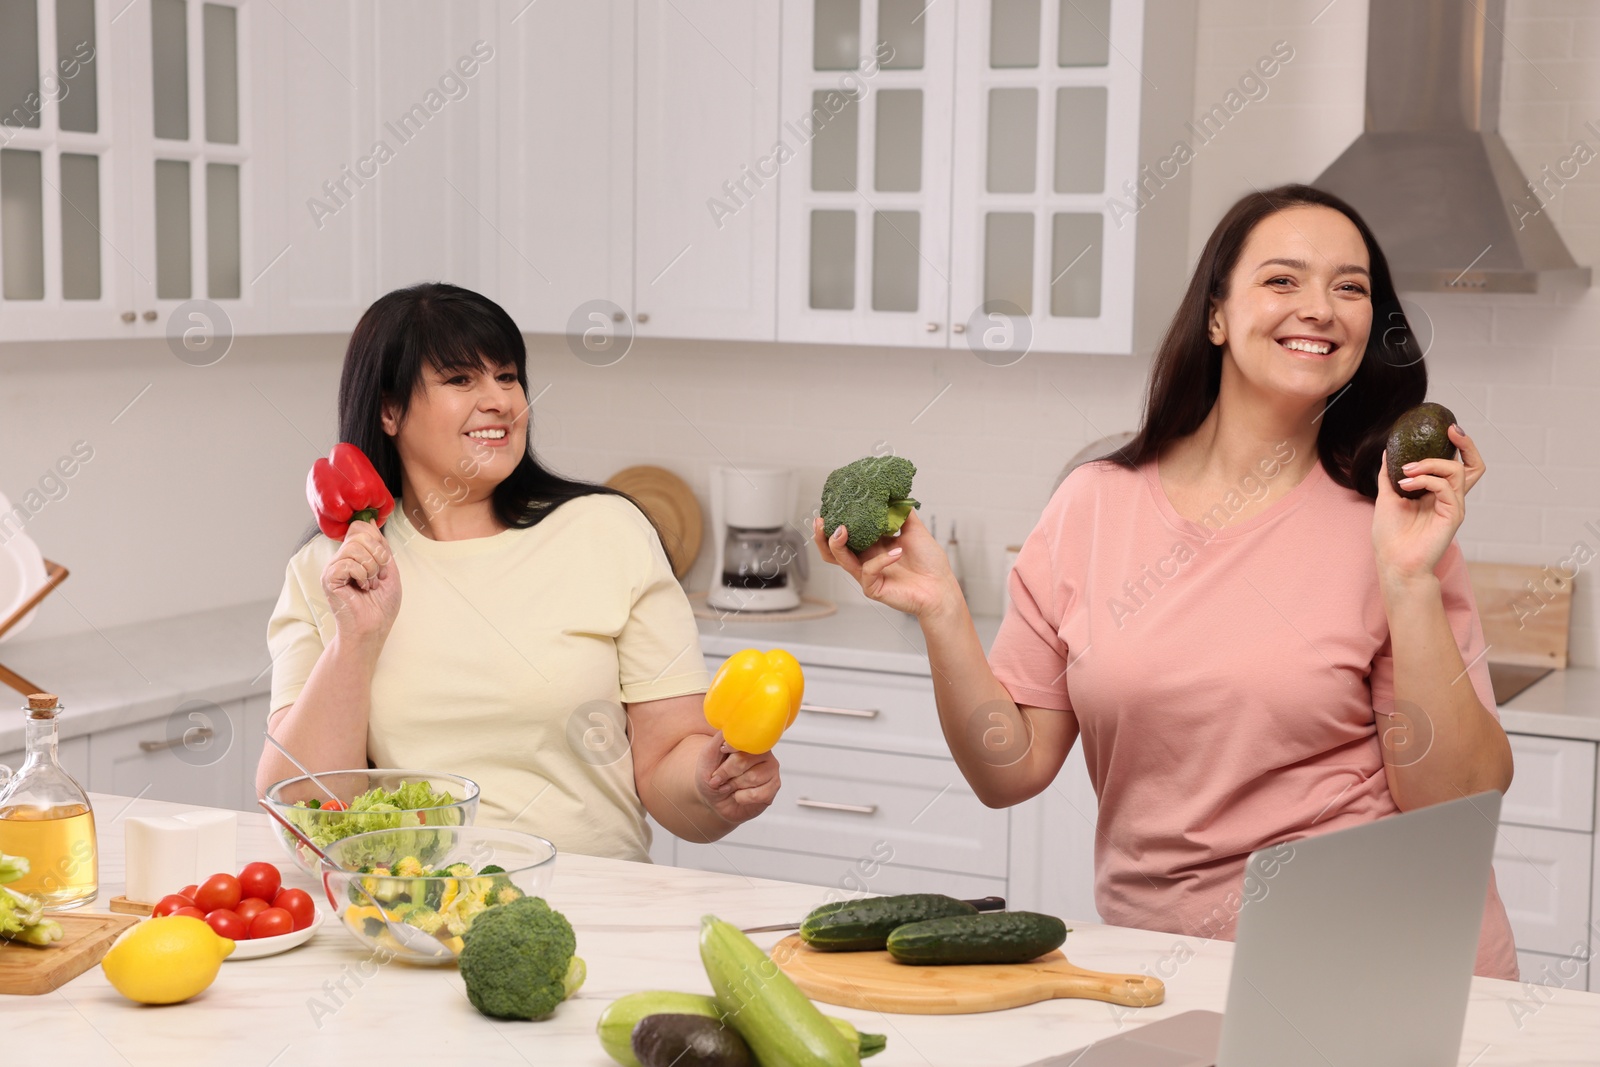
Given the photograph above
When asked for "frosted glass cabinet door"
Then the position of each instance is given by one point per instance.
(865, 172)
(60, 275)
(192, 183)
(1049, 114)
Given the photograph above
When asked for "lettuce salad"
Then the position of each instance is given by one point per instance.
(379, 809)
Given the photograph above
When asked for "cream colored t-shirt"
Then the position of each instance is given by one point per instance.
(509, 661)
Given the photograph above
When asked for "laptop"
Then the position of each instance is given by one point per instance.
(1358, 951)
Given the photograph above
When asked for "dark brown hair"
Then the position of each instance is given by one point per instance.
(1186, 374)
(448, 328)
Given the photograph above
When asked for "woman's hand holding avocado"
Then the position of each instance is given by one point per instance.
(1411, 536)
(909, 572)
(362, 585)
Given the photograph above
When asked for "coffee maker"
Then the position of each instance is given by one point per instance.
(760, 558)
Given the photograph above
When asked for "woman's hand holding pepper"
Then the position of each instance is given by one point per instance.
(738, 786)
(362, 585)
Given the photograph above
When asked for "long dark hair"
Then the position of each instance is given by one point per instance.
(1186, 374)
(447, 328)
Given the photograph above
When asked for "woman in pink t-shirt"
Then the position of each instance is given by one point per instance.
(1257, 638)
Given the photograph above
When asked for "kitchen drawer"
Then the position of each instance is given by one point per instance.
(866, 709)
(1553, 784)
(150, 759)
(846, 876)
(1543, 876)
(73, 754)
(1543, 968)
(919, 808)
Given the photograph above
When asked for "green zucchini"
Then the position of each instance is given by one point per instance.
(993, 937)
(864, 925)
(779, 1023)
(623, 1014)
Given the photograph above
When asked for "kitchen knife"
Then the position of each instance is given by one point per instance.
(982, 904)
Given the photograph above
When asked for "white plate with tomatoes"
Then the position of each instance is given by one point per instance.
(252, 909)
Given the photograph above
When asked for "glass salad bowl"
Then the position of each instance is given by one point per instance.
(382, 799)
(434, 882)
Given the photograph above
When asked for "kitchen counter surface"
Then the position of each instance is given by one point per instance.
(141, 671)
(330, 1001)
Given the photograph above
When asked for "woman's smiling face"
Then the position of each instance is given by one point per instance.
(1299, 305)
(464, 428)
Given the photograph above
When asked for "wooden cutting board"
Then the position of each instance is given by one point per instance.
(1525, 611)
(873, 981)
(85, 939)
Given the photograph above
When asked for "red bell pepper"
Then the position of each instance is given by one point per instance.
(346, 488)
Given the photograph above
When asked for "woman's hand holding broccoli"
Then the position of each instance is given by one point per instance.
(362, 584)
(908, 572)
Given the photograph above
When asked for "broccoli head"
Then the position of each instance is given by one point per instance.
(870, 498)
(518, 960)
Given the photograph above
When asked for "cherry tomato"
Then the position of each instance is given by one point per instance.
(188, 891)
(192, 912)
(249, 908)
(298, 903)
(259, 881)
(218, 891)
(271, 923)
(228, 924)
(333, 805)
(170, 903)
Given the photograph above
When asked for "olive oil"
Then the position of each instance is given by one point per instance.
(45, 818)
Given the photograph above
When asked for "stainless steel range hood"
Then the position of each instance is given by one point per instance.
(1431, 175)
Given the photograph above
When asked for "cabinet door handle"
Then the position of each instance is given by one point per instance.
(150, 316)
(642, 318)
(129, 316)
(959, 327)
(829, 805)
(933, 327)
(199, 733)
(851, 713)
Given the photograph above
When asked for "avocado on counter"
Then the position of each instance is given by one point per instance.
(671, 1040)
(1419, 434)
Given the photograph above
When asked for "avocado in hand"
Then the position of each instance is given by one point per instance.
(1419, 434)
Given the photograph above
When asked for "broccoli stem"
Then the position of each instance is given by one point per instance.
(572, 981)
(898, 511)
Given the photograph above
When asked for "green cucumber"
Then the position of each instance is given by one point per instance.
(779, 1023)
(623, 1014)
(864, 925)
(993, 937)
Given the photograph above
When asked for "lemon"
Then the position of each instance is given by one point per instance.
(165, 960)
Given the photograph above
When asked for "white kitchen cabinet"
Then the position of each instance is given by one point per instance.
(1048, 111)
(563, 74)
(73, 754)
(871, 710)
(706, 130)
(65, 210)
(434, 196)
(251, 740)
(320, 156)
(845, 876)
(1052, 846)
(967, 174)
(170, 758)
(1553, 783)
(864, 218)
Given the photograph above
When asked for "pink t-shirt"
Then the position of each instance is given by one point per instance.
(1223, 678)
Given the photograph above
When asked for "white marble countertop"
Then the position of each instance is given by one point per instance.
(1561, 704)
(142, 671)
(637, 924)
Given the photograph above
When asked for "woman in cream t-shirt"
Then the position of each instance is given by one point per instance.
(543, 647)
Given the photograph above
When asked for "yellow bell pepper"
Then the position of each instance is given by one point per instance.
(754, 697)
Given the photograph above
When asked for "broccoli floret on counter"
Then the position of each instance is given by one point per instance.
(870, 498)
(518, 960)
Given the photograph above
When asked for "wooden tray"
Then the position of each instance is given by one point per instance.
(1523, 626)
(873, 981)
(86, 938)
(669, 501)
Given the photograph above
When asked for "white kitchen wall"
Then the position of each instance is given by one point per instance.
(193, 497)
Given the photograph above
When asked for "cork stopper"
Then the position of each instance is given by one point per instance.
(40, 703)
